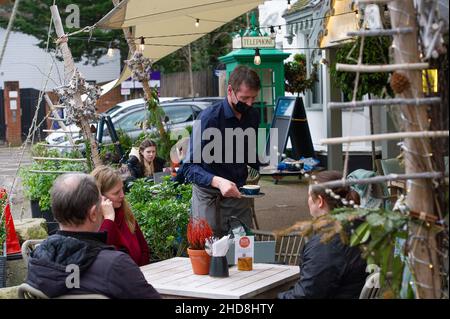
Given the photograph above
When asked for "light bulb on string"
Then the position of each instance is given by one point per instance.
(110, 52)
(257, 59)
(289, 6)
(197, 23)
(142, 45)
(273, 34)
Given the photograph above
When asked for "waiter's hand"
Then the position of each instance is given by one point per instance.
(226, 187)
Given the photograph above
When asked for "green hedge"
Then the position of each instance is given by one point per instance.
(162, 212)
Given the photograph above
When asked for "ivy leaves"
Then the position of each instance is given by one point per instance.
(376, 51)
(380, 233)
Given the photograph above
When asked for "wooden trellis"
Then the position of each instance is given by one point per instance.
(416, 145)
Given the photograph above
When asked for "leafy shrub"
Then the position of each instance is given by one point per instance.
(162, 212)
(376, 51)
(295, 73)
(109, 153)
(37, 185)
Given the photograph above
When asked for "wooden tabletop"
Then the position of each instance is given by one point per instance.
(174, 277)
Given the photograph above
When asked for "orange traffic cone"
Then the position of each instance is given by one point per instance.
(12, 241)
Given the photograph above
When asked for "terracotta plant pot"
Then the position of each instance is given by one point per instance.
(200, 261)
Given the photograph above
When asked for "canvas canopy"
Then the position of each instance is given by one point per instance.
(168, 25)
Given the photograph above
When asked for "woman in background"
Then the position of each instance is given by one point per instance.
(332, 269)
(143, 162)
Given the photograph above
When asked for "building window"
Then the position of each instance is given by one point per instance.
(316, 92)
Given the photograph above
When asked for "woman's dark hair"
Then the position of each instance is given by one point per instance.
(345, 192)
(146, 143)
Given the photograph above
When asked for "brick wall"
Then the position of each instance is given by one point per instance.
(13, 121)
(109, 100)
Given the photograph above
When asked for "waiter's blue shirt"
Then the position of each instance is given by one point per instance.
(221, 116)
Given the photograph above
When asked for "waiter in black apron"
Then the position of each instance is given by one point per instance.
(222, 144)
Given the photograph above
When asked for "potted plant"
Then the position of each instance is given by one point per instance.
(37, 182)
(198, 231)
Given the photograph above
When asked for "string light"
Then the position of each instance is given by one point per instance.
(142, 45)
(289, 6)
(197, 23)
(110, 52)
(257, 58)
(273, 34)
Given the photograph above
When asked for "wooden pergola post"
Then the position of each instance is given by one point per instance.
(420, 198)
(69, 70)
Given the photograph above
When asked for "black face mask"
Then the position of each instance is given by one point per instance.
(241, 107)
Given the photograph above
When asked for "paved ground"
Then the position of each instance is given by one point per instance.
(10, 158)
(284, 203)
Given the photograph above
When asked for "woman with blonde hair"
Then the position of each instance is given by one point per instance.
(120, 223)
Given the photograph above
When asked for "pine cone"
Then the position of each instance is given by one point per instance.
(399, 82)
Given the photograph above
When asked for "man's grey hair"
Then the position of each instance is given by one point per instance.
(72, 197)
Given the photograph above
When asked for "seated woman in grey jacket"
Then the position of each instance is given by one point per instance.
(332, 269)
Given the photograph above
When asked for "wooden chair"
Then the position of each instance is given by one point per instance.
(253, 176)
(392, 166)
(253, 179)
(288, 247)
(27, 247)
(26, 291)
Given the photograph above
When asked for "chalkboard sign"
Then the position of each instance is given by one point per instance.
(290, 120)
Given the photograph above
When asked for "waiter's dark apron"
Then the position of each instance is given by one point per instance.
(209, 203)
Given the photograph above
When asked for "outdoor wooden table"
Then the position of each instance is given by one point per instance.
(173, 278)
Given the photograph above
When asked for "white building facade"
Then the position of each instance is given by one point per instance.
(302, 27)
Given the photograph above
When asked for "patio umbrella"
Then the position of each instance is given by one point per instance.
(168, 25)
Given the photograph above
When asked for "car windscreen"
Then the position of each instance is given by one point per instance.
(113, 109)
(179, 113)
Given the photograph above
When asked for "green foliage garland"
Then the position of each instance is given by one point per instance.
(376, 51)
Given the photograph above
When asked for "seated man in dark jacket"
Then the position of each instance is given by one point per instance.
(76, 259)
(332, 269)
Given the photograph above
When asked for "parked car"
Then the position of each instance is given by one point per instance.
(212, 99)
(179, 115)
(118, 109)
